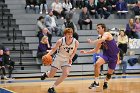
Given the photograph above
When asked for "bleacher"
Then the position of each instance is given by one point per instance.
(25, 24)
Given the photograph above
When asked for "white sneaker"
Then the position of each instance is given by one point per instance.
(46, 12)
(6, 78)
(40, 12)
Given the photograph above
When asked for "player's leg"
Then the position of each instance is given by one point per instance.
(111, 68)
(49, 74)
(108, 77)
(98, 64)
(65, 73)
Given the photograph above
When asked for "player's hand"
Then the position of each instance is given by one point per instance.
(89, 40)
(83, 51)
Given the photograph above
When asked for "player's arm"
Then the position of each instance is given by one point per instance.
(95, 50)
(58, 43)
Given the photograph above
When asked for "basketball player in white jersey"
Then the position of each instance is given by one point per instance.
(66, 48)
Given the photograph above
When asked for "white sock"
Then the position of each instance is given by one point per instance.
(96, 79)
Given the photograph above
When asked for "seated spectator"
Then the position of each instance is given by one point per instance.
(92, 8)
(137, 27)
(136, 9)
(8, 62)
(51, 24)
(69, 24)
(42, 30)
(2, 65)
(122, 41)
(84, 19)
(43, 47)
(79, 4)
(103, 9)
(73, 3)
(57, 9)
(130, 29)
(43, 3)
(32, 4)
(112, 4)
(122, 62)
(121, 8)
(131, 1)
(67, 7)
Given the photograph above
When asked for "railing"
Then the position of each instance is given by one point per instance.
(14, 38)
(2, 15)
(21, 52)
(8, 26)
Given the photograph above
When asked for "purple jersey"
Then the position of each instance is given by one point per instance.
(110, 48)
(110, 52)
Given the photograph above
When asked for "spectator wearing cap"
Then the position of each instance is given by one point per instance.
(2, 65)
(42, 30)
(8, 62)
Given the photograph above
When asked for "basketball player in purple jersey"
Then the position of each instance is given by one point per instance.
(110, 54)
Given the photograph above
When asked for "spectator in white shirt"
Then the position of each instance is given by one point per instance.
(57, 9)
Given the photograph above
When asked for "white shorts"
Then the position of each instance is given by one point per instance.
(60, 62)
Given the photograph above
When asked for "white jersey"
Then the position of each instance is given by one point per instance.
(65, 50)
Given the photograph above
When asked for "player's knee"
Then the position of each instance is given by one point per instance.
(97, 65)
(108, 75)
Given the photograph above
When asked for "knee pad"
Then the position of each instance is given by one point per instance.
(108, 75)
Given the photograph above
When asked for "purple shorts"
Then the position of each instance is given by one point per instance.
(112, 61)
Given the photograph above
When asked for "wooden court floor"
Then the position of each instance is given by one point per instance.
(117, 85)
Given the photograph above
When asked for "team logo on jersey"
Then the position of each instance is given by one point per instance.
(67, 49)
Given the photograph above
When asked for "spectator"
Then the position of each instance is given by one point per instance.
(130, 29)
(32, 4)
(57, 9)
(42, 30)
(69, 24)
(51, 24)
(136, 9)
(84, 19)
(112, 4)
(79, 4)
(122, 41)
(43, 47)
(73, 3)
(2, 65)
(137, 27)
(92, 8)
(43, 3)
(8, 62)
(103, 9)
(122, 62)
(67, 7)
(121, 8)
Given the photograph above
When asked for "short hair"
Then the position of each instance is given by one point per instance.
(103, 26)
(68, 30)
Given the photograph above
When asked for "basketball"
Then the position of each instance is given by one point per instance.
(47, 59)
